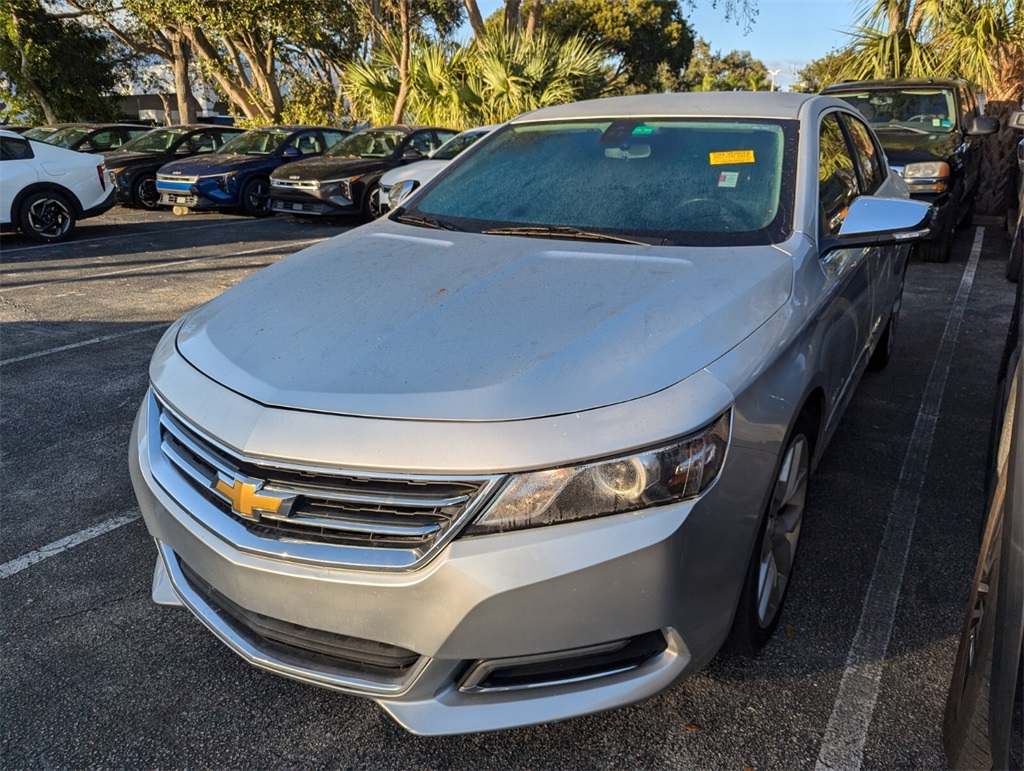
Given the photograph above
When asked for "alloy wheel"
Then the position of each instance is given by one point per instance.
(50, 217)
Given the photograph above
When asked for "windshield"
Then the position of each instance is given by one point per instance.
(932, 110)
(156, 141)
(256, 142)
(671, 181)
(66, 136)
(39, 133)
(456, 145)
(375, 143)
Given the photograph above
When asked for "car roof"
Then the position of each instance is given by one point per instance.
(892, 83)
(760, 104)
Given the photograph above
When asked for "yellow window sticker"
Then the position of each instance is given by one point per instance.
(732, 156)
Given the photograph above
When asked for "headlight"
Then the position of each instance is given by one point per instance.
(676, 472)
(928, 176)
(222, 180)
(401, 191)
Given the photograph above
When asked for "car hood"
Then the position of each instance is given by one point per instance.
(420, 171)
(216, 163)
(118, 158)
(396, 321)
(327, 168)
(903, 147)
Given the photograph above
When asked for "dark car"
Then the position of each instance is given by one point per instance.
(345, 180)
(1016, 260)
(94, 137)
(132, 167)
(928, 129)
(40, 133)
(238, 176)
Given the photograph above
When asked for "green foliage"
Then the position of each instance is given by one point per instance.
(736, 71)
(56, 61)
(820, 73)
(650, 38)
(459, 86)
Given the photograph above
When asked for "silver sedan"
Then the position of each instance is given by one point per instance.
(536, 444)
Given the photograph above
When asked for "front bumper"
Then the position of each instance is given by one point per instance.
(205, 193)
(670, 574)
(326, 201)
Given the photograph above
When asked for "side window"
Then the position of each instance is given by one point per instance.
(308, 143)
(104, 140)
(968, 107)
(870, 160)
(12, 149)
(203, 142)
(223, 137)
(331, 138)
(423, 142)
(837, 179)
(132, 133)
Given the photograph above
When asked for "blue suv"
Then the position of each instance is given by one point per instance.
(238, 177)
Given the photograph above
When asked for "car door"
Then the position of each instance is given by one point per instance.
(16, 173)
(886, 264)
(848, 272)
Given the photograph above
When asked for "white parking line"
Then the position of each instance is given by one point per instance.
(843, 744)
(129, 271)
(72, 346)
(132, 235)
(9, 569)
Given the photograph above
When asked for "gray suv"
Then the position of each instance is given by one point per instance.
(929, 129)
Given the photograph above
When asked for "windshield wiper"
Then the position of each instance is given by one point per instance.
(427, 222)
(561, 231)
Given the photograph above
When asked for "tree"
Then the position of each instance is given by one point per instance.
(820, 73)
(650, 39)
(981, 41)
(736, 71)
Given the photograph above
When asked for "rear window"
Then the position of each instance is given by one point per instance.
(12, 149)
(671, 181)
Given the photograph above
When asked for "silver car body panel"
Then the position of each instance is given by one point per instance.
(465, 354)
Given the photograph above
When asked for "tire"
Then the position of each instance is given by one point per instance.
(775, 548)
(47, 216)
(883, 351)
(371, 203)
(967, 216)
(255, 197)
(940, 247)
(144, 194)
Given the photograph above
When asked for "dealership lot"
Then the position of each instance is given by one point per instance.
(94, 673)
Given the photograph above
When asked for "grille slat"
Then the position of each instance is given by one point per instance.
(411, 517)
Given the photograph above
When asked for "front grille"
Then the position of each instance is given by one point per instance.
(191, 180)
(374, 520)
(302, 646)
(310, 207)
(178, 199)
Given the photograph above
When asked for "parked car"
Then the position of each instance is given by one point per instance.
(133, 166)
(929, 129)
(238, 176)
(982, 728)
(94, 137)
(1016, 258)
(40, 133)
(538, 443)
(45, 190)
(345, 180)
(398, 184)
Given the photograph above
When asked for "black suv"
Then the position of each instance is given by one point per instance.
(928, 129)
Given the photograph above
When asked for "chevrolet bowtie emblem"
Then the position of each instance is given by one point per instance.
(248, 499)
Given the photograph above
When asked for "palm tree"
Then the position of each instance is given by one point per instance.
(981, 41)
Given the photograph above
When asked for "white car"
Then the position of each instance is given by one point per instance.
(400, 183)
(45, 190)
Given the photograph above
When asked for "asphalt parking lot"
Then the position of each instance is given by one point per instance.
(94, 674)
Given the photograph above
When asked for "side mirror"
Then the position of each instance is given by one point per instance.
(87, 147)
(411, 154)
(291, 153)
(1016, 120)
(881, 222)
(183, 150)
(981, 125)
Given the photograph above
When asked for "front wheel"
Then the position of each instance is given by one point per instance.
(771, 564)
(47, 216)
(371, 203)
(256, 197)
(144, 194)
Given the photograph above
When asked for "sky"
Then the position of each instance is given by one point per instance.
(786, 35)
